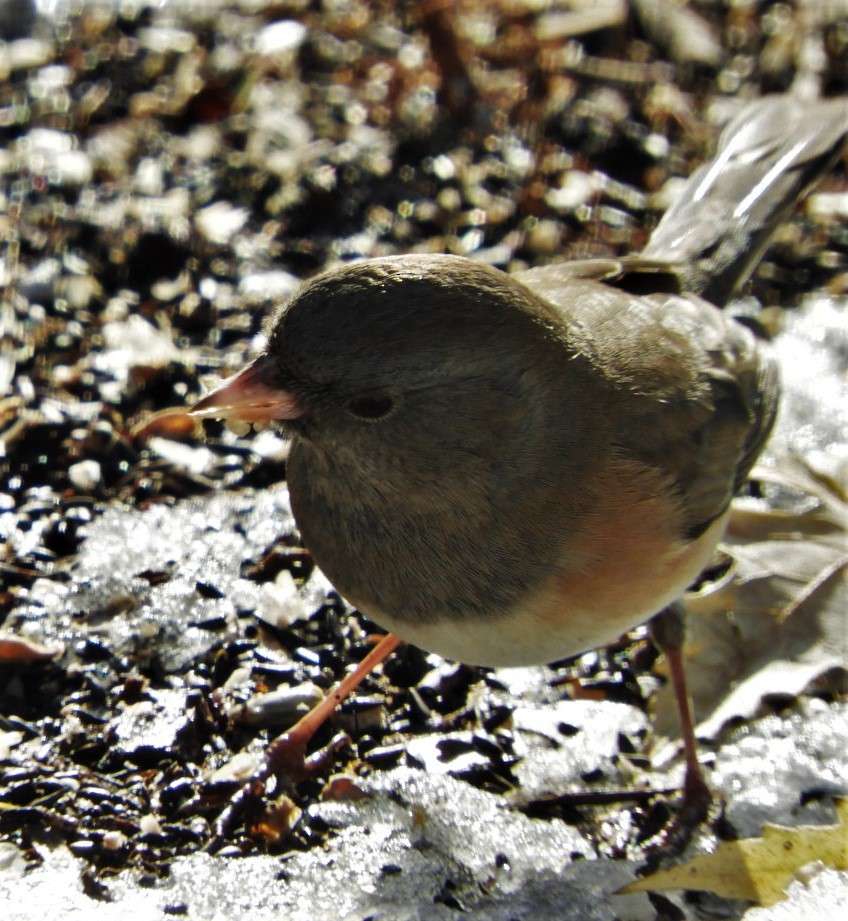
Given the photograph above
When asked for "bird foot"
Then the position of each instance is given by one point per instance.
(286, 758)
(285, 761)
(692, 811)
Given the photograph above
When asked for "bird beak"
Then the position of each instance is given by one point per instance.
(253, 395)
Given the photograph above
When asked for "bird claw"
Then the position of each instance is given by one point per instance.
(285, 761)
(693, 809)
(286, 758)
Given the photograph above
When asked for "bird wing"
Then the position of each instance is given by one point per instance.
(698, 393)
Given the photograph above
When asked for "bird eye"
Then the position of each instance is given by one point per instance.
(371, 407)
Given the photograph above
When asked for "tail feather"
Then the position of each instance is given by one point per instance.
(767, 157)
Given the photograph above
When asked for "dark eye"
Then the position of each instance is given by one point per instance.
(373, 406)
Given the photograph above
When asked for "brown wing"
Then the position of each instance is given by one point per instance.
(698, 392)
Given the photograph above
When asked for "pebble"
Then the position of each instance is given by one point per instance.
(85, 475)
(280, 38)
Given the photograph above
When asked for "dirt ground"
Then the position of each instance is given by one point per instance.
(170, 172)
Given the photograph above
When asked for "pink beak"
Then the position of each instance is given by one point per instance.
(253, 395)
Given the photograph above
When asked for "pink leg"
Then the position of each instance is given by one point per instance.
(667, 629)
(286, 755)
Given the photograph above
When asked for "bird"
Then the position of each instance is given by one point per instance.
(512, 469)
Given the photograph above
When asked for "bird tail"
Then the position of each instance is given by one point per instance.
(767, 157)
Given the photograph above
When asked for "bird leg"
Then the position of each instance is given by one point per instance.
(668, 631)
(285, 757)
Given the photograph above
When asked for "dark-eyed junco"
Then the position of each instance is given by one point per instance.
(511, 469)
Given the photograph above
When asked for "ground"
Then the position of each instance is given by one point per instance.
(169, 173)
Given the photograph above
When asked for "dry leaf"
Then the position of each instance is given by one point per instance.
(174, 422)
(776, 622)
(757, 869)
(17, 650)
(279, 820)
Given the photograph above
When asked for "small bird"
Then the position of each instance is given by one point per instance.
(512, 469)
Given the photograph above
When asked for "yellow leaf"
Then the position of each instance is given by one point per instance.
(757, 869)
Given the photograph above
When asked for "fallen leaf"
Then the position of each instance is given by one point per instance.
(757, 869)
(174, 423)
(775, 622)
(16, 649)
(279, 820)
